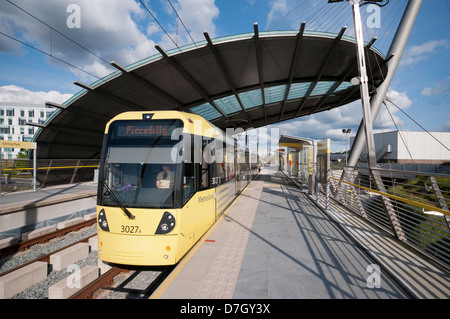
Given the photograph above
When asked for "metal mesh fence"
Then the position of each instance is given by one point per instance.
(418, 200)
(17, 174)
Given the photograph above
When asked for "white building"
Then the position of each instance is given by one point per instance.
(13, 117)
(406, 147)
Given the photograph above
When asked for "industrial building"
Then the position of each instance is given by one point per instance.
(411, 147)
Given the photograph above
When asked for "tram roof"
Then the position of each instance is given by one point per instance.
(247, 80)
(294, 141)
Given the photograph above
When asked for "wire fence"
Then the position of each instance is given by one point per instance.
(416, 204)
(17, 174)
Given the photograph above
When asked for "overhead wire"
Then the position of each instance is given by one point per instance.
(52, 29)
(84, 47)
(184, 26)
(60, 33)
(52, 56)
(154, 18)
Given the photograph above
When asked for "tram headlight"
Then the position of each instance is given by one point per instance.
(102, 222)
(166, 224)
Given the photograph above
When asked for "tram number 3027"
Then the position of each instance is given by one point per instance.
(129, 229)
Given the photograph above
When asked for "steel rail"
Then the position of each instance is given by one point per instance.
(106, 279)
(21, 246)
(46, 258)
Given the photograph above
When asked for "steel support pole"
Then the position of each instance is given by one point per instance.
(395, 53)
(364, 84)
(367, 119)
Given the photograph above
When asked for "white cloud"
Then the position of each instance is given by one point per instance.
(446, 126)
(440, 88)
(329, 124)
(417, 53)
(278, 8)
(388, 118)
(16, 94)
(114, 30)
(110, 29)
(153, 29)
(198, 16)
(400, 99)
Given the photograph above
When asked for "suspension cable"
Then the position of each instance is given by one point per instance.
(390, 100)
(189, 34)
(154, 18)
(404, 142)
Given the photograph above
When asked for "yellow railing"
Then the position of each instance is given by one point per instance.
(420, 214)
(411, 202)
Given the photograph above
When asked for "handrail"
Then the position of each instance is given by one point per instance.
(421, 205)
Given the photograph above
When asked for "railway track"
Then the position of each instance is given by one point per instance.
(116, 283)
(123, 283)
(23, 245)
(40, 249)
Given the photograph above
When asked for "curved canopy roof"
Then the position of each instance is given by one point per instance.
(248, 80)
(294, 142)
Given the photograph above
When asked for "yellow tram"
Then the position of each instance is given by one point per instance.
(164, 178)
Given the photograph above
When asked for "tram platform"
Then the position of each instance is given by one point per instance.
(14, 201)
(275, 243)
(24, 210)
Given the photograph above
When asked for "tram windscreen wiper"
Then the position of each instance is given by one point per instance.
(117, 200)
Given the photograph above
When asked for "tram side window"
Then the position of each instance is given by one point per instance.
(189, 181)
(204, 171)
(230, 171)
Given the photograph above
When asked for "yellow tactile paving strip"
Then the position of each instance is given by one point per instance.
(221, 279)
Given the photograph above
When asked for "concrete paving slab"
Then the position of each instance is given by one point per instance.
(72, 284)
(64, 258)
(19, 280)
(275, 243)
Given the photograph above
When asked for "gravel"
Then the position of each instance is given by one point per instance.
(133, 288)
(40, 290)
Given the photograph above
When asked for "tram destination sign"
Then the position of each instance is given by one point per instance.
(136, 129)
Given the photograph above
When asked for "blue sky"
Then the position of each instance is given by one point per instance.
(125, 32)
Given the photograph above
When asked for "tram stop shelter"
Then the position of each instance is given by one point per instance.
(300, 156)
(248, 80)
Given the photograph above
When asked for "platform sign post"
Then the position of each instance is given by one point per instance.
(323, 167)
(323, 160)
(25, 145)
